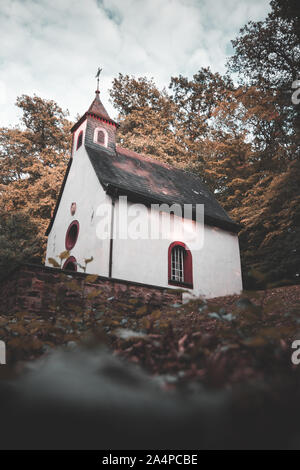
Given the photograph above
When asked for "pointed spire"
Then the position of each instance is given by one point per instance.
(97, 108)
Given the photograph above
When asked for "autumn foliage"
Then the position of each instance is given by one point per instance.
(239, 132)
(241, 138)
(33, 160)
(216, 373)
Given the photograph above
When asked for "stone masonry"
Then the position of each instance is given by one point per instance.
(45, 290)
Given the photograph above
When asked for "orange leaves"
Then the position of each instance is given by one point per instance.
(53, 262)
(32, 164)
(62, 256)
(91, 278)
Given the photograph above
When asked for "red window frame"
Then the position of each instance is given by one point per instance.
(187, 266)
(79, 140)
(70, 240)
(72, 260)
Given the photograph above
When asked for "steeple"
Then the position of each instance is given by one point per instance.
(97, 108)
(95, 128)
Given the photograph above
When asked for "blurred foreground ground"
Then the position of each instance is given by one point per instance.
(214, 374)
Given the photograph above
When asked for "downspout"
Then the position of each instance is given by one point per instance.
(111, 245)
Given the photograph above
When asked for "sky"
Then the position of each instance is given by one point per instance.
(52, 48)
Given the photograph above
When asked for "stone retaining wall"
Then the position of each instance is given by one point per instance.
(45, 290)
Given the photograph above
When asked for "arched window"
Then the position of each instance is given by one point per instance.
(101, 136)
(72, 235)
(70, 264)
(79, 140)
(180, 265)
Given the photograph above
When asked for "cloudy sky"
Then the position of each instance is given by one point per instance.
(53, 47)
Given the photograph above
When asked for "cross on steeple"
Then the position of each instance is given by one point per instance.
(97, 76)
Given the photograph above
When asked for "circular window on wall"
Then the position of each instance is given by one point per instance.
(70, 264)
(72, 235)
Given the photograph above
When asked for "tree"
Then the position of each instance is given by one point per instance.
(33, 160)
(148, 119)
(196, 100)
(266, 57)
(240, 139)
(20, 241)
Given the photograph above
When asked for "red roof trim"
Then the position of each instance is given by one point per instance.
(95, 116)
(100, 118)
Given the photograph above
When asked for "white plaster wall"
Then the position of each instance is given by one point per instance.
(216, 259)
(83, 187)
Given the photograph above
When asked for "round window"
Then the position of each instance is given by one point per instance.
(72, 235)
(70, 264)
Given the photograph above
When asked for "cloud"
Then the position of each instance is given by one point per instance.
(53, 48)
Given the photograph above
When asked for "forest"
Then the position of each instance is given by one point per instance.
(93, 371)
(238, 131)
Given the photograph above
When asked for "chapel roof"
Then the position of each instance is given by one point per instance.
(145, 179)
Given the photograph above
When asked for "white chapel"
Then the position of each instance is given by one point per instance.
(107, 187)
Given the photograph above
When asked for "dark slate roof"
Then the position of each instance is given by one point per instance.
(147, 180)
(97, 108)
